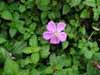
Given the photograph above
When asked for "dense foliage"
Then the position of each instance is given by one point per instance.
(23, 51)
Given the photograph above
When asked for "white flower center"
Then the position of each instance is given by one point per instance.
(56, 33)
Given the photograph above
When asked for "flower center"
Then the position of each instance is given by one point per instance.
(56, 33)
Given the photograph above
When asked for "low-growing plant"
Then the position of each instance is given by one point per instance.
(49, 37)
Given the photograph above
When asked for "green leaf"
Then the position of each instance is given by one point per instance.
(75, 2)
(64, 45)
(18, 47)
(94, 46)
(34, 72)
(98, 2)
(12, 32)
(53, 59)
(88, 54)
(33, 41)
(96, 14)
(33, 26)
(35, 57)
(68, 61)
(43, 4)
(66, 9)
(82, 30)
(44, 53)
(3, 54)
(2, 6)
(22, 8)
(91, 3)
(84, 14)
(91, 70)
(23, 72)
(69, 71)
(75, 69)
(44, 17)
(61, 64)
(2, 40)
(97, 56)
(25, 62)
(27, 35)
(57, 61)
(61, 72)
(29, 50)
(51, 15)
(11, 67)
(1, 71)
(6, 14)
(48, 70)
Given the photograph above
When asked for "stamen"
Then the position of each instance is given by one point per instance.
(56, 33)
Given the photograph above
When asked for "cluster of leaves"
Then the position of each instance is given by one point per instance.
(23, 51)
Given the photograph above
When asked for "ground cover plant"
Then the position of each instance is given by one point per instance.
(49, 37)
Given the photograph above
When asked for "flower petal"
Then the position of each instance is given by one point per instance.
(51, 26)
(60, 26)
(54, 40)
(98, 66)
(62, 36)
(47, 35)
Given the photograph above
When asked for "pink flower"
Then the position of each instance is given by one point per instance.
(98, 66)
(55, 32)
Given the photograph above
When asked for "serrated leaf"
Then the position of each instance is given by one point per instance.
(34, 72)
(69, 71)
(44, 53)
(88, 54)
(33, 41)
(24, 72)
(91, 3)
(61, 72)
(35, 57)
(48, 70)
(97, 56)
(18, 47)
(11, 67)
(52, 15)
(25, 62)
(6, 14)
(2, 40)
(75, 2)
(43, 4)
(29, 50)
(33, 26)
